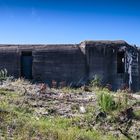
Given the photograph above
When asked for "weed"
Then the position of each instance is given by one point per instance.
(96, 82)
(106, 101)
(3, 74)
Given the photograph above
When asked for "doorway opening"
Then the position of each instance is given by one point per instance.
(26, 65)
(120, 62)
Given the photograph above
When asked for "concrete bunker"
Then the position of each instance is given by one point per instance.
(116, 62)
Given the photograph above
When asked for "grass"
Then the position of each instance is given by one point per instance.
(19, 122)
(25, 126)
(137, 114)
(106, 101)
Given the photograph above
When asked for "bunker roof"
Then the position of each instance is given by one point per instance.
(106, 42)
(65, 47)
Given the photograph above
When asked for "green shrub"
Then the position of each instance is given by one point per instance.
(96, 81)
(3, 74)
(106, 101)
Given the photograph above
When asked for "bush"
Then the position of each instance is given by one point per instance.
(3, 74)
(96, 82)
(106, 101)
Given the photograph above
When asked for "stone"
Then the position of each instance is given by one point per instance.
(82, 109)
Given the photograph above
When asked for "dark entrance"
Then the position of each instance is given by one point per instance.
(120, 62)
(26, 65)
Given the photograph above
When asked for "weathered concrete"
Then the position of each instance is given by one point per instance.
(60, 63)
(115, 62)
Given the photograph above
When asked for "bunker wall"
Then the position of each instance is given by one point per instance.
(60, 65)
(10, 60)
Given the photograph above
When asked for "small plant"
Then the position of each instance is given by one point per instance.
(106, 101)
(96, 82)
(122, 100)
(3, 74)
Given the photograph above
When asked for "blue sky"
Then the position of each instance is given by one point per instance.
(69, 21)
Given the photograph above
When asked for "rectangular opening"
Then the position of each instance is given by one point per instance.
(120, 62)
(26, 65)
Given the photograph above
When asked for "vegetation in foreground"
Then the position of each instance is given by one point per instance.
(29, 112)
